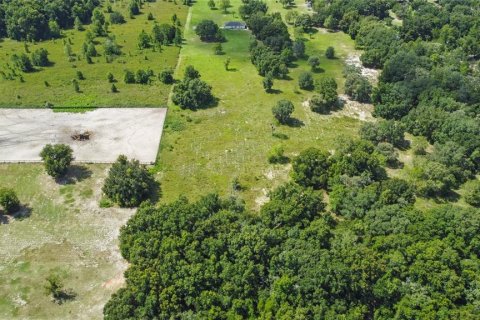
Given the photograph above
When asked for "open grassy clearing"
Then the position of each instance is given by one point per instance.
(95, 89)
(64, 232)
(205, 150)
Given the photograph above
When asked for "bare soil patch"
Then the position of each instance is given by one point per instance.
(97, 136)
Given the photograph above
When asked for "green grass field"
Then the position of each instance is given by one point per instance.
(95, 89)
(65, 233)
(204, 151)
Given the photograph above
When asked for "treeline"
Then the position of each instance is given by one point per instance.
(271, 52)
(373, 256)
(430, 79)
(35, 20)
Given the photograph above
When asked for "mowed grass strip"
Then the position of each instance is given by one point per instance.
(54, 84)
(203, 151)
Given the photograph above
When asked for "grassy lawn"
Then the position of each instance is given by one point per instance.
(64, 233)
(95, 89)
(205, 150)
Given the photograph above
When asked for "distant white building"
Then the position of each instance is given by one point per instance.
(235, 25)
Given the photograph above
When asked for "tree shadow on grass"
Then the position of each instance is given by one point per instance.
(76, 173)
(212, 104)
(232, 69)
(21, 212)
(65, 296)
(155, 192)
(4, 219)
(24, 211)
(450, 196)
(397, 164)
(281, 136)
(318, 70)
(274, 91)
(404, 145)
(295, 123)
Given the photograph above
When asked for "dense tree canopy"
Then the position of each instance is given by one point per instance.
(36, 19)
(210, 259)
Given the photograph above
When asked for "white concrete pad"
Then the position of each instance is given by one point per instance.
(134, 132)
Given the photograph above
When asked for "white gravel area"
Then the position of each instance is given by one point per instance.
(134, 132)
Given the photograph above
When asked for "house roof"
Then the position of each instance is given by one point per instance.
(235, 24)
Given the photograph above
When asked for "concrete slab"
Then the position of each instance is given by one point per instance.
(133, 132)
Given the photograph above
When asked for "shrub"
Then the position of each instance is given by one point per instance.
(128, 183)
(305, 81)
(144, 40)
(22, 62)
(166, 76)
(54, 29)
(330, 53)
(143, 77)
(116, 18)
(218, 49)
(111, 47)
(105, 203)
(277, 155)
(472, 193)
(390, 131)
(236, 185)
(432, 178)
(80, 75)
(420, 146)
(283, 110)
(57, 159)
(8, 200)
(314, 62)
(211, 4)
(134, 8)
(388, 152)
(298, 48)
(89, 49)
(129, 77)
(191, 73)
(78, 24)
(54, 287)
(40, 58)
(327, 100)
(268, 83)
(75, 85)
(192, 94)
(310, 168)
(110, 77)
(358, 87)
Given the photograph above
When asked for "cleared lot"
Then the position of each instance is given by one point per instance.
(105, 133)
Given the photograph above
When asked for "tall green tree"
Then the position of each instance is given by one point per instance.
(57, 159)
